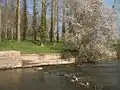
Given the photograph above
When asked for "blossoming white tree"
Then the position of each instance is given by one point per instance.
(91, 28)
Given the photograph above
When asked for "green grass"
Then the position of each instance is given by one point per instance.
(29, 47)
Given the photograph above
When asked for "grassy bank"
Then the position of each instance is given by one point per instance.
(29, 47)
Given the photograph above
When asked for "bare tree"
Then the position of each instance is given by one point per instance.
(0, 22)
(8, 18)
(51, 35)
(54, 30)
(34, 20)
(25, 19)
(56, 18)
(63, 22)
(18, 22)
(57, 25)
(43, 29)
(5, 19)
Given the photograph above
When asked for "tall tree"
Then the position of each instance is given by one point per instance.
(0, 21)
(43, 34)
(57, 37)
(18, 21)
(63, 22)
(6, 18)
(25, 19)
(52, 20)
(34, 20)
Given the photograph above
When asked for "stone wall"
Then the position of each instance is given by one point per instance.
(30, 60)
(10, 59)
(14, 59)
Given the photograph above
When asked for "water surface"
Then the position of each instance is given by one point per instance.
(102, 76)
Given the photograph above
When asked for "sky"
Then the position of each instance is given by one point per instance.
(108, 2)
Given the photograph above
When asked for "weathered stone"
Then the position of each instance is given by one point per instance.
(39, 68)
(45, 59)
(14, 59)
(10, 59)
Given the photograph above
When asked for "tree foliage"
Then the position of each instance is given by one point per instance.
(91, 28)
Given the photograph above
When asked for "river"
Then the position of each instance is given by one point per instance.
(102, 76)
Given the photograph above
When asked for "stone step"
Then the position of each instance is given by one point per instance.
(50, 63)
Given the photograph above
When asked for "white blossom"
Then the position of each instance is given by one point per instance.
(91, 28)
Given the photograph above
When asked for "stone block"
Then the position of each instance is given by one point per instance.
(10, 59)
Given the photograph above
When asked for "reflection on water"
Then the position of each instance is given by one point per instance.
(102, 76)
(105, 74)
(29, 79)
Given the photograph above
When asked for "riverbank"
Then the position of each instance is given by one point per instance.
(16, 59)
(29, 47)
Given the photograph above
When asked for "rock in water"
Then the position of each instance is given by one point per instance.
(76, 79)
(39, 68)
(66, 75)
(85, 84)
(72, 80)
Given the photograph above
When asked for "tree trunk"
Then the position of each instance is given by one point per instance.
(12, 33)
(57, 21)
(118, 55)
(0, 21)
(9, 32)
(6, 31)
(25, 19)
(63, 23)
(43, 33)
(18, 22)
(52, 20)
(34, 20)
(6, 19)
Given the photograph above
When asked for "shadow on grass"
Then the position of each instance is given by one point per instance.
(58, 47)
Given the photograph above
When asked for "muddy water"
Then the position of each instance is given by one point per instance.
(102, 76)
